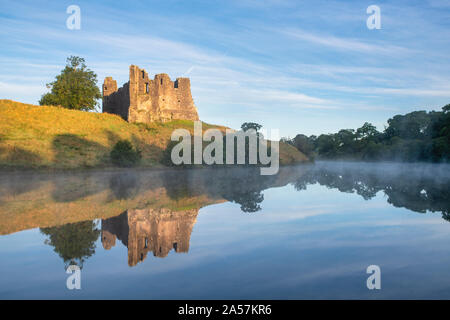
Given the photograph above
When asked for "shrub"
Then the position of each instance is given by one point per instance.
(124, 155)
(167, 155)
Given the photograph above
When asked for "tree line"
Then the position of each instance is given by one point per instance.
(415, 136)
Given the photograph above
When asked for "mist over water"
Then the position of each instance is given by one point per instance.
(439, 173)
(312, 230)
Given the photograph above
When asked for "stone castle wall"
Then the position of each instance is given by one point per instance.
(145, 100)
(150, 230)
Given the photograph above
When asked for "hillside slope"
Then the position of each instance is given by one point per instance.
(57, 138)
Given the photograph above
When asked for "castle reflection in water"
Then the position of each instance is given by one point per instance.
(157, 231)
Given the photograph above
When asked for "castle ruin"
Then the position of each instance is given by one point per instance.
(150, 230)
(144, 100)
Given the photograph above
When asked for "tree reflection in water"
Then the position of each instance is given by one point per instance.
(74, 242)
(419, 188)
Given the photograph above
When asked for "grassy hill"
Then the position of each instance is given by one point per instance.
(57, 138)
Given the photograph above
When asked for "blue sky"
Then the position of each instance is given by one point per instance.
(300, 66)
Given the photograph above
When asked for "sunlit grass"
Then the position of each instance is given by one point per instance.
(53, 137)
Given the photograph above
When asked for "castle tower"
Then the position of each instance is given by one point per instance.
(109, 86)
(115, 100)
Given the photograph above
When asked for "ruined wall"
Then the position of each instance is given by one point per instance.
(115, 227)
(145, 100)
(150, 230)
(116, 101)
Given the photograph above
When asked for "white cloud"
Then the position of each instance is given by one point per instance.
(345, 44)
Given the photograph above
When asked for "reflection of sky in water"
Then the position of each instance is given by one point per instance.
(313, 243)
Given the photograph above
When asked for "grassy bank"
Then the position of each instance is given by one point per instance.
(56, 138)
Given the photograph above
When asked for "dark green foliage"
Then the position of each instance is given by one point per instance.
(446, 108)
(124, 155)
(413, 125)
(305, 144)
(250, 201)
(74, 242)
(166, 156)
(367, 131)
(75, 88)
(416, 136)
(250, 125)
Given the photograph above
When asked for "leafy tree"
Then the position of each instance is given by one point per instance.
(250, 201)
(250, 125)
(304, 144)
(446, 108)
(346, 139)
(327, 145)
(367, 131)
(245, 127)
(75, 88)
(412, 125)
(74, 242)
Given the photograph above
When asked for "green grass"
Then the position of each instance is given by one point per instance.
(56, 138)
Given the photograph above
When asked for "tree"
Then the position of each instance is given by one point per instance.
(367, 131)
(446, 108)
(250, 125)
(412, 125)
(250, 201)
(304, 144)
(75, 88)
(327, 145)
(74, 242)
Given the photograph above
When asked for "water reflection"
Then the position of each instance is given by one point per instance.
(155, 211)
(149, 230)
(419, 188)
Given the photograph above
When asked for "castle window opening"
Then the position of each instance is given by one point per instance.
(146, 87)
(143, 74)
(161, 81)
(146, 243)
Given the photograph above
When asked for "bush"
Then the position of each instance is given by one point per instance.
(124, 155)
(167, 155)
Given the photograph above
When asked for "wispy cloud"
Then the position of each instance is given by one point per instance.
(346, 44)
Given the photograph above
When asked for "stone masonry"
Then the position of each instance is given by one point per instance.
(144, 100)
(149, 230)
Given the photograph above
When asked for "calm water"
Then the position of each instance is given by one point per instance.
(309, 232)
